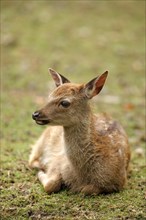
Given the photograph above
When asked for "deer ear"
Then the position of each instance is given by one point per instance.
(58, 78)
(95, 85)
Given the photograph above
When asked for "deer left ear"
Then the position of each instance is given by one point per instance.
(58, 78)
(95, 85)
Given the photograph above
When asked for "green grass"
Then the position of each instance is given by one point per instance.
(80, 39)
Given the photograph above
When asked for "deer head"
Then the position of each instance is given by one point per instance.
(68, 103)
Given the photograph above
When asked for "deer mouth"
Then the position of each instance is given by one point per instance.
(42, 122)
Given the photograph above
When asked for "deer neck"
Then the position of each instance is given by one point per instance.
(79, 140)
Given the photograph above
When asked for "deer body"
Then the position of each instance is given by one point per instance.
(86, 152)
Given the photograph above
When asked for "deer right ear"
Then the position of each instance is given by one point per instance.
(58, 78)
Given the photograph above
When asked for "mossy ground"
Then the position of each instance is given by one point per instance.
(79, 39)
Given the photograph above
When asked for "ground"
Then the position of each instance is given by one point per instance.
(80, 39)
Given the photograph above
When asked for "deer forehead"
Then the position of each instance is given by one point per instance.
(67, 90)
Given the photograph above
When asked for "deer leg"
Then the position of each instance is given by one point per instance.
(50, 183)
(37, 150)
(34, 160)
(90, 190)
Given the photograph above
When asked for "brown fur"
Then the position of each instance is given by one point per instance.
(86, 152)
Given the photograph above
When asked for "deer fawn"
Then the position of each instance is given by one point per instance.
(87, 153)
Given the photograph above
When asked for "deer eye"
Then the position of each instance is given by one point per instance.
(65, 104)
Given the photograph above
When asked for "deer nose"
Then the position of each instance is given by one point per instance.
(35, 115)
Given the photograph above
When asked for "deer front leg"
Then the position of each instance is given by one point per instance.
(50, 183)
(34, 158)
(36, 153)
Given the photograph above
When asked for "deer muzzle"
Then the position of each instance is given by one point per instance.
(40, 119)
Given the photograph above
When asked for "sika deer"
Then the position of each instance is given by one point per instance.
(86, 152)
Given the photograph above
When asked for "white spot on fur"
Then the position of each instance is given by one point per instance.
(120, 152)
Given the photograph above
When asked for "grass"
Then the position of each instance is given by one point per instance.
(79, 39)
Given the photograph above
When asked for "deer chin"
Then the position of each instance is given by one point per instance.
(43, 122)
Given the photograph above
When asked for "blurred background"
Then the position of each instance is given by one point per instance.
(79, 39)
